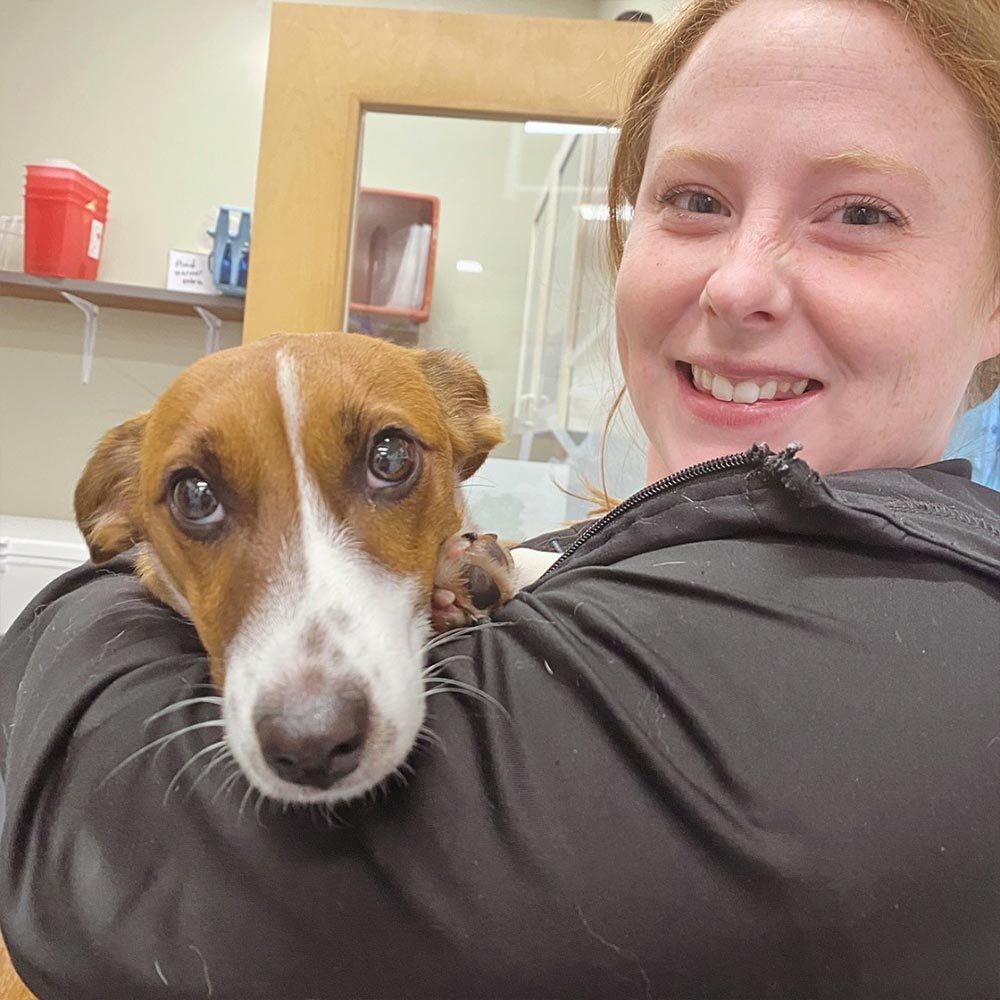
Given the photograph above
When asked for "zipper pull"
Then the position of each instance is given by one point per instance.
(784, 468)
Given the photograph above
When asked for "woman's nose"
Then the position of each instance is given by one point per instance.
(748, 289)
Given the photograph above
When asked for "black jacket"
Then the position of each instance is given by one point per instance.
(750, 747)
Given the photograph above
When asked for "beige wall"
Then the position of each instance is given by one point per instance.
(161, 102)
(49, 420)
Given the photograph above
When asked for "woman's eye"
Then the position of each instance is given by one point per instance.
(866, 214)
(392, 459)
(696, 202)
(193, 503)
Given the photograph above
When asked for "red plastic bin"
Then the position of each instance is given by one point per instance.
(65, 213)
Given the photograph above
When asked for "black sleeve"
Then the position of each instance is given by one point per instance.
(740, 768)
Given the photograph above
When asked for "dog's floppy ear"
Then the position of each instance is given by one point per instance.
(475, 429)
(107, 491)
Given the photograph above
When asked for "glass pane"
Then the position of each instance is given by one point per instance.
(563, 274)
(529, 364)
(488, 238)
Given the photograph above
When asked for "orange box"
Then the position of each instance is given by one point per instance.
(381, 213)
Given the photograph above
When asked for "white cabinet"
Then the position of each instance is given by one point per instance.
(33, 552)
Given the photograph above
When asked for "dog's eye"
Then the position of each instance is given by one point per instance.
(193, 502)
(392, 460)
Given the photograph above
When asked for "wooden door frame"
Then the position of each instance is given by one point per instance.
(329, 64)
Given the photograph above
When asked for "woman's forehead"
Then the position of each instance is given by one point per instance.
(828, 76)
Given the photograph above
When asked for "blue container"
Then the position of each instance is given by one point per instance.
(977, 438)
(229, 260)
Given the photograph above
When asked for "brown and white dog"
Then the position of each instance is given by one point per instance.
(298, 500)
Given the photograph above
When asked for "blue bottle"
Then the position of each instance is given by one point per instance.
(244, 266)
(226, 270)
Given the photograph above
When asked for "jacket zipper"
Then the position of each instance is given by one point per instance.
(754, 456)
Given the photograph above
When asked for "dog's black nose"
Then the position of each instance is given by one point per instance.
(317, 742)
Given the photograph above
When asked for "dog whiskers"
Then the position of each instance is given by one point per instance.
(246, 798)
(380, 792)
(161, 742)
(231, 782)
(397, 776)
(454, 686)
(259, 808)
(457, 633)
(228, 781)
(432, 669)
(204, 684)
(222, 755)
(329, 813)
(243, 802)
(175, 780)
(202, 700)
(426, 738)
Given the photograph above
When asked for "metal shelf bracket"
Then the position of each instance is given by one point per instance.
(212, 327)
(90, 314)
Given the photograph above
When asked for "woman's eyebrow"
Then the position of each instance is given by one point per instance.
(693, 154)
(851, 159)
(865, 159)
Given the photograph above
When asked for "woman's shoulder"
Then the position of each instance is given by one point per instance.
(930, 512)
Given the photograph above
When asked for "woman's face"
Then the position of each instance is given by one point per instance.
(810, 254)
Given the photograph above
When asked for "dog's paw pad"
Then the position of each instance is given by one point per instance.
(475, 575)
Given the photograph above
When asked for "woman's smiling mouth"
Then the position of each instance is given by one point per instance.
(747, 390)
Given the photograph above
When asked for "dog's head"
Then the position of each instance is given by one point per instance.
(290, 498)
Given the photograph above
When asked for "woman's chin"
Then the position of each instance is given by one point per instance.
(699, 427)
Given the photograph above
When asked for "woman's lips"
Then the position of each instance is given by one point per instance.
(741, 410)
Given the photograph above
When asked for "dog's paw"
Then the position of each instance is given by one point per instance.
(475, 575)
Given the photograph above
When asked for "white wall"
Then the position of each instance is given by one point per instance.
(161, 102)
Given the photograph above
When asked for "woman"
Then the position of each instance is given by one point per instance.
(754, 717)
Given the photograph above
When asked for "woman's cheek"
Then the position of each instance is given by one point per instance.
(633, 305)
(646, 293)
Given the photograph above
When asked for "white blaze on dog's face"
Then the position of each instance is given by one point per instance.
(290, 497)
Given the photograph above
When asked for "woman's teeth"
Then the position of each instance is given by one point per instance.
(746, 392)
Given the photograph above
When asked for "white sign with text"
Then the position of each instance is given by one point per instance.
(188, 272)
